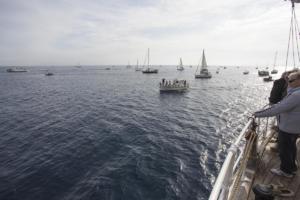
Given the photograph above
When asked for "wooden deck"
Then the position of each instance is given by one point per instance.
(264, 176)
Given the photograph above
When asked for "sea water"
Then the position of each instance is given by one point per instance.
(91, 133)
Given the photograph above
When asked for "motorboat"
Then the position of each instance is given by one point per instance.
(268, 79)
(173, 86)
(17, 69)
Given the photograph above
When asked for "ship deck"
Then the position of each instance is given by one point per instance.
(264, 176)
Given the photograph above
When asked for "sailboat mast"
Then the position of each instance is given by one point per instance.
(148, 57)
(275, 60)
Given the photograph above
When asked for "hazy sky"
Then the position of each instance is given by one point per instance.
(68, 32)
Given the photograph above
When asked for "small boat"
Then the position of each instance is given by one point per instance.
(180, 66)
(137, 66)
(268, 79)
(17, 69)
(217, 71)
(128, 66)
(173, 86)
(246, 72)
(107, 68)
(149, 70)
(274, 71)
(263, 73)
(49, 74)
(204, 73)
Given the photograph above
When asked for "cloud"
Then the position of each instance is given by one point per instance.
(113, 32)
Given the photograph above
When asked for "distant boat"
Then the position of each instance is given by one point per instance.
(49, 74)
(246, 72)
(274, 71)
(173, 86)
(149, 70)
(180, 66)
(16, 69)
(137, 68)
(204, 73)
(225, 67)
(268, 79)
(128, 66)
(107, 68)
(263, 73)
(217, 71)
(191, 66)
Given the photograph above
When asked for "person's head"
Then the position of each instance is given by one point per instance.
(286, 74)
(294, 79)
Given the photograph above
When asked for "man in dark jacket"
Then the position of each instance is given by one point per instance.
(279, 89)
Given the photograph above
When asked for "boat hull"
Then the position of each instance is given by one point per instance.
(155, 71)
(203, 76)
(16, 70)
(169, 89)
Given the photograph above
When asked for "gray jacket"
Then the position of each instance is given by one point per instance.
(288, 110)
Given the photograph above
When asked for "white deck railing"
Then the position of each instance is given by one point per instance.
(221, 188)
(225, 178)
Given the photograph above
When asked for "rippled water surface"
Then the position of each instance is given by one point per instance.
(90, 133)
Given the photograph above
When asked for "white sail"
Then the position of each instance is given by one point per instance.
(204, 64)
(274, 71)
(204, 73)
(148, 70)
(180, 66)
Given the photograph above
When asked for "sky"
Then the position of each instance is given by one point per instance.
(115, 32)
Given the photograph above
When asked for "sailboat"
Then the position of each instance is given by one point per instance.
(137, 66)
(128, 66)
(149, 70)
(180, 66)
(274, 71)
(204, 73)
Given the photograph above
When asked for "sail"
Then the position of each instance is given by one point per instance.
(180, 66)
(204, 64)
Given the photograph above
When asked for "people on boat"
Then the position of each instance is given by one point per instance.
(288, 111)
(173, 84)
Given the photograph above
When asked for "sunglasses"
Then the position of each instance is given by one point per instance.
(292, 80)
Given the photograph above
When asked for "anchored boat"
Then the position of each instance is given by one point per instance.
(149, 70)
(180, 66)
(173, 86)
(204, 73)
(16, 69)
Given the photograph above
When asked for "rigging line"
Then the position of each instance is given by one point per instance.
(293, 38)
(288, 48)
(297, 35)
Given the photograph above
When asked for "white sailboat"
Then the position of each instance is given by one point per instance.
(137, 66)
(128, 66)
(180, 66)
(149, 70)
(274, 71)
(204, 73)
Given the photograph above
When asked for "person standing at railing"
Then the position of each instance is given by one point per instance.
(288, 112)
(279, 89)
